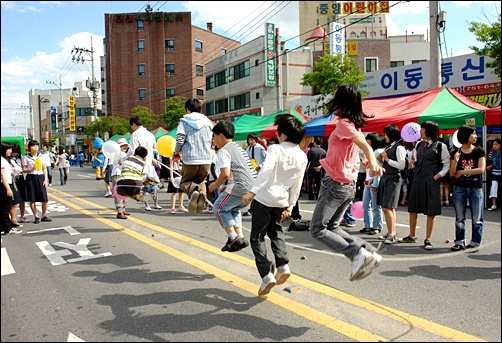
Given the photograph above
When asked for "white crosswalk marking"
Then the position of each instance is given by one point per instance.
(7, 267)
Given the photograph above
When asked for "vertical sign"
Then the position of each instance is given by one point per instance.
(73, 123)
(337, 38)
(54, 119)
(270, 55)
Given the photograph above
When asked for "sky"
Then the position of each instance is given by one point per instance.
(38, 36)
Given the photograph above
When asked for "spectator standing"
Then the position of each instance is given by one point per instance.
(108, 177)
(373, 222)
(175, 171)
(193, 139)
(393, 160)
(17, 160)
(494, 168)
(467, 165)
(48, 160)
(81, 159)
(36, 181)
(61, 162)
(7, 192)
(315, 172)
(432, 162)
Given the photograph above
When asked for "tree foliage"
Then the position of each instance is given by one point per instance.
(489, 34)
(175, 110)
(330, 71)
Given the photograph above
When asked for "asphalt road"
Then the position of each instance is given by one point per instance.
(87, 276)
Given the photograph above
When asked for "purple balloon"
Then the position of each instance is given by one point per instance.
(357, 210)
(411, 132)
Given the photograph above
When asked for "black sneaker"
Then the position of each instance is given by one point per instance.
(428, 245)
(232, 244)
(457, 247)
(365, 230)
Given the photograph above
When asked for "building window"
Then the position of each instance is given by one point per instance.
(239, 71)
(380, 20)
(257, 95)
(362, 34)
(256, 63)
(169, 44)
(141, 45)
(394, 64)
(221, 106)
(200, 93)
(353, 35)
(170, 92)
(142, 94)
(198, 45)
(223, 51)
(417, 61)
(169, 69)
(141, 25)
(210, 108)
(141, 69)
(370, 64)
(199, 70)
(220, 78)
(373, 34)
(210, 82)
(240, 101)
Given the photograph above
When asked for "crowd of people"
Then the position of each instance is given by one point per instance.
(216, 173)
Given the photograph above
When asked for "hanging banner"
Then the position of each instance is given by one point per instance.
(270, 55)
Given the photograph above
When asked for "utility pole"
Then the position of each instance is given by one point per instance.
(62, 109)
(93, 85)
(25, 107)
(435, 25)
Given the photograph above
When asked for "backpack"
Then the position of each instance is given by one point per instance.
(299, 225)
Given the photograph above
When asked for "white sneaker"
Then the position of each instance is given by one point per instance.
(359, 263)
(493, 208)
(377, 260)
(108, 194)
(282, 274)
(148, 208)
(173, 210)
(192, 205)
(266, 285)
(157, 207)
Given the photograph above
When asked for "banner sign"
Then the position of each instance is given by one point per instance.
(270, 55)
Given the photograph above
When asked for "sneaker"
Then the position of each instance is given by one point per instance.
(24, 219)
(232, 245)
(365, 230)
(201, 202)
(457, 247)
(282, 274)
(36, 221)
(359, 263)
(173, 210)
(108, 194)
(246, 214)
(266, 285)
(408, 239)
(344, 223)
(15, 224)
(126, 213)
(493, 208)
(121, 216)
(428, 245)
(46, 219)
(182, 209)
(471, 248)
(446, 203)
(157, 207)
(15, 231)
(192, 204)
(148, 208)
(377, 260)
(384, 237)
(244, 243)
(374, 232)
(390, 240)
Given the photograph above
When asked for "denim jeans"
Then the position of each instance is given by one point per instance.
(334, 198)
(475, 197)
(372, 211)
(49, 173)
(227, 209)
(63, 177)
(347, 216)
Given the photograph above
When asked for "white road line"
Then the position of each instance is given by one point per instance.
(73, 338)
(7, 267)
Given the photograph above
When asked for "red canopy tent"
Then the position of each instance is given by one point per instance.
(492, 116)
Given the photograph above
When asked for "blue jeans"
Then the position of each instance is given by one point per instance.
(475, 197)
(372, 211)
(63, 176)
(347, 216)
(334, 198)
(227, 209)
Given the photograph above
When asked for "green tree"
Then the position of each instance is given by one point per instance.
(175, 110)
(330, 71)
(489, 34)
(145, 114)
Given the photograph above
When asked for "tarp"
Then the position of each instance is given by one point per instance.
(493, 116)
(115, 137)
(445, 106)
(263, 126)
(159, 132)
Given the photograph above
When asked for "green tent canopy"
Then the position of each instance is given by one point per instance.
(115, 137)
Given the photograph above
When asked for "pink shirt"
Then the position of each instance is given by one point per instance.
(341, 159)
